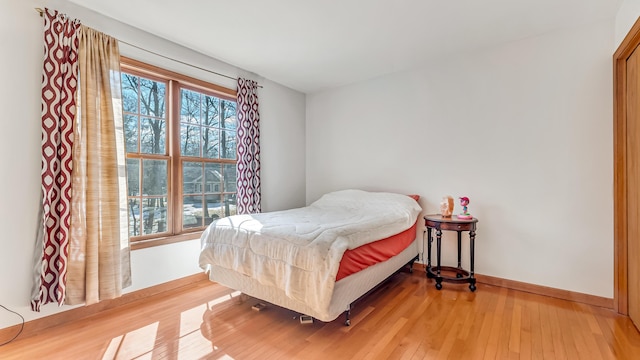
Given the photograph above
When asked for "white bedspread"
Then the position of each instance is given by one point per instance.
(299, 250)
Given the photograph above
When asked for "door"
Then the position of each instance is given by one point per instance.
(633, 184)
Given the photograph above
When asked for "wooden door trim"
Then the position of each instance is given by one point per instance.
(620, 218)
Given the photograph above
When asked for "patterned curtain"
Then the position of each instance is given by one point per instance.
(248, 166)
(81, 254)
(59, 82)
(99, 266)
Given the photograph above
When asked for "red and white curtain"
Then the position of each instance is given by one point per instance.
(59, 84)
(82, 248)
(248, 166)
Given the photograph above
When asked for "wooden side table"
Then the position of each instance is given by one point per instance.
(439, 223)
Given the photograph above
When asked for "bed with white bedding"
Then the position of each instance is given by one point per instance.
(290, 258)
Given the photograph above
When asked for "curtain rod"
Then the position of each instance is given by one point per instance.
(41, 12)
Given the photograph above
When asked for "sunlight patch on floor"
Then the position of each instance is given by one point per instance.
(112, 348)
(192, 343)
(194, 346)
(191, 319)
(134, 344)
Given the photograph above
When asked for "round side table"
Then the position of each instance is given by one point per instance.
(452, 223)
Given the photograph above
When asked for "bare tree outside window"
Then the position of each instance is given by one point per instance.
(207, 126)
(144, 107)
(202, 157)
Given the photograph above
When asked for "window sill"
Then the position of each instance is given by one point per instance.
(143, 244)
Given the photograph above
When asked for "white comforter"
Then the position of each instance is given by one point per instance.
(299, 250)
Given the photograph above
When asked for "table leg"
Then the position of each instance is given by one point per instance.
(459, 253)
(472, 279)
(429, 240)
(438, 253)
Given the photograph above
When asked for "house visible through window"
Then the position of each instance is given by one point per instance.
(180, 136)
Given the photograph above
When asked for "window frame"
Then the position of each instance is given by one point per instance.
(174, 82)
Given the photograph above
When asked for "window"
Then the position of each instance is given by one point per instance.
(180, 139)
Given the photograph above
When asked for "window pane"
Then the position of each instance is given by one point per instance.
(189, 107)
(214, 208)
(192, 211)
(190, 140)
(230, 183)
(228, 144)
(134, 217)
(131, 133)
(211, 111)
(133, 177)
(154, 177)
(191, 177)
(213, 177)
(211, 143)
(230, 204)
(154, 215)
(152, 101)
(130, 93)
(229, 110)
(189, 212)
(153, 136)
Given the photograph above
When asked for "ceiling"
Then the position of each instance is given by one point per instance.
(311, 45)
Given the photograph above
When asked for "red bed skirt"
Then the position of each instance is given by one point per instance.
(372, 253)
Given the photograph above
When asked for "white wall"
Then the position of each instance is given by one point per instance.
(282, 144)
(524, 129)
(627, 15)
(282, 148)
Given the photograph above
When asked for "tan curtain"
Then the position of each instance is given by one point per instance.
(99, 266)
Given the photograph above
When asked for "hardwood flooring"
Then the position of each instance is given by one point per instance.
(405, 319)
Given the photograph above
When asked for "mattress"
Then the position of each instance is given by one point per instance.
(345, 291)
(292, 249)
(291, 257)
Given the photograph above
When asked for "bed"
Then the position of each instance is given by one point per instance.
(297, 258)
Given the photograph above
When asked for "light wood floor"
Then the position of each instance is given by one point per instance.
(405, 319)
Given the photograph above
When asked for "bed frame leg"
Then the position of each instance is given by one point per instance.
(411, 264)
(347, 313)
